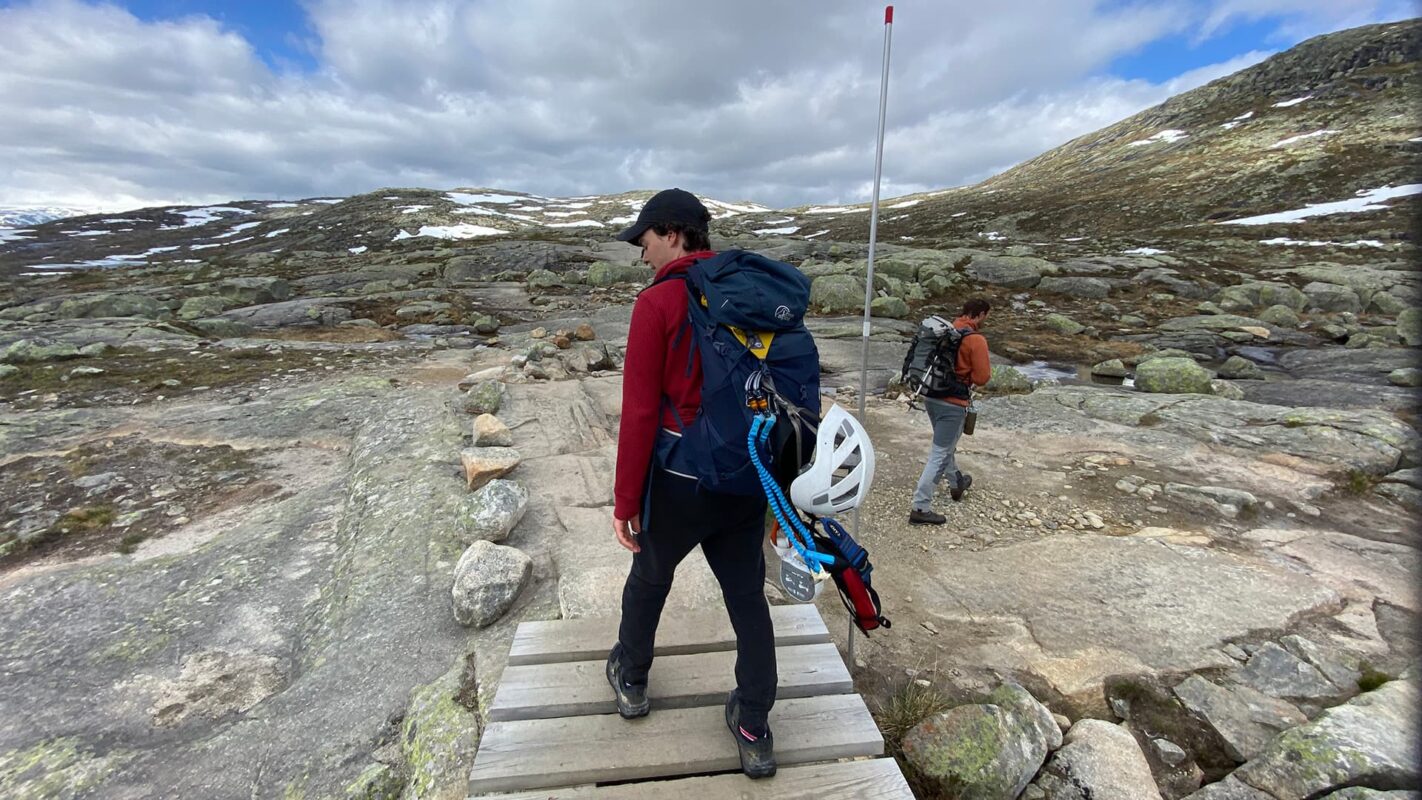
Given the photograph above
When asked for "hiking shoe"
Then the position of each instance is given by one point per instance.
(757, 750)
(964, 481)
(929, 517)
(632, 701)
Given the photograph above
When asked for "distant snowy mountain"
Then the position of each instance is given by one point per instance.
(36, 215)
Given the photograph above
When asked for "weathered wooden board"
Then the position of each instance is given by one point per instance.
(863, 779)
(575, 688)
(548, 642)
(567, 751)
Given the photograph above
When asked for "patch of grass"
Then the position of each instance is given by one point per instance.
(130, 542)
(1149, 419)
(86, 518)
(908, 707)
(1357, 482)
(1371, 678)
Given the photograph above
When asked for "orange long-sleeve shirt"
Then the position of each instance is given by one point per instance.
(972, 367)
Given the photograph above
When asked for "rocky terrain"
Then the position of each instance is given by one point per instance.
(281, 478)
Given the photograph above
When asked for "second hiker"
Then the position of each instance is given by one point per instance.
(946, 401)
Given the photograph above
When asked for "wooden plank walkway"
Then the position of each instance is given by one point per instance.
(554, 732)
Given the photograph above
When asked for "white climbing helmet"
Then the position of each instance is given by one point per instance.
(838, 478)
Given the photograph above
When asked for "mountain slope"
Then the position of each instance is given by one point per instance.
(1327, 119)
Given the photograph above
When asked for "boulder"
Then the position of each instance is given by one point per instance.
(1076, 287)
(200, 307)
(1372, 740)
(602, 273)
(492, 512)
(254, 291)
(1173, 376)
(1113, 368)
(1007, 379)
(543, 279)
(109, 305)
(482, 398)
(1406, 376)
(1332, 297)
(1409, 326)
(1245, 720)
(1226, 390)
(1280, 316)
(1099, 761)
(483, 464)
(987, 751)
(890, 307)
(1013, 272)
(1063, 324)
(33, 351)
(490, 431)
(1386, 304)
(1240, 368)
(487, 580)
(837, 294)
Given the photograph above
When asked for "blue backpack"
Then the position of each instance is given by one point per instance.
(745, 315)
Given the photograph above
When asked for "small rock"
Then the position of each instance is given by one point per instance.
(483, 464)
(482, 398)
(1113, 368)
(538, 333)
(490, 431)
(1169, 752)
(584, 333)
(1240, 368)
(488, 578)
(1406, 376)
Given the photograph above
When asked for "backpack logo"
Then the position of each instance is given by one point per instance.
(784, 314)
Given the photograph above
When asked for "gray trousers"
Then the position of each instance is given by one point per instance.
(947, 419)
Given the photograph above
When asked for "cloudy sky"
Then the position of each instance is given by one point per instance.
(142, 102)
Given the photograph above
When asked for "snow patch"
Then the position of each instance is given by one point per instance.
(15, 234)
(1141, 251)
(413, 209)
(194, 217)
(1300, 137)
(277, 232)
(906, 204)
(450, 232)
(777, 231)
(357, 250)
(582, 223)
(1366, 200)
(1300, 243)
(992, 236)
(1166, 136)
(817, 233)
(1293, 102)
(834, 210)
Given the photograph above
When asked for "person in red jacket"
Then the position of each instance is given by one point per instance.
(947, 414)
(661, 515)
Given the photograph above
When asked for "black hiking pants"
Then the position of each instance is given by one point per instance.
(677, 516)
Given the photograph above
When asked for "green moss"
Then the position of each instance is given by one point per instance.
(1371, 678)
(440, 735)
(129, 542)
(54, 768)
(376, 782)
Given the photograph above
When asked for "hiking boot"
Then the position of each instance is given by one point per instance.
(756, 748)
(964, 481)
(632, 700)
(929, 517)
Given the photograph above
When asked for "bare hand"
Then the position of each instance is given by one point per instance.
(627, 530)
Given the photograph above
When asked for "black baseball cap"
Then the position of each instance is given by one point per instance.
(668, 205)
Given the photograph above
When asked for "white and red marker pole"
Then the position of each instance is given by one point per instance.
(873, 237)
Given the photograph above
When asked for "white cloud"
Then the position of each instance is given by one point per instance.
(771, 102)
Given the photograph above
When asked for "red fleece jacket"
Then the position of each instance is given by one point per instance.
(655, 367)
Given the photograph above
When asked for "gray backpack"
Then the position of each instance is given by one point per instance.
(930, 364)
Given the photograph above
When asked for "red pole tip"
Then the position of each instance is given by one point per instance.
(888, 15)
